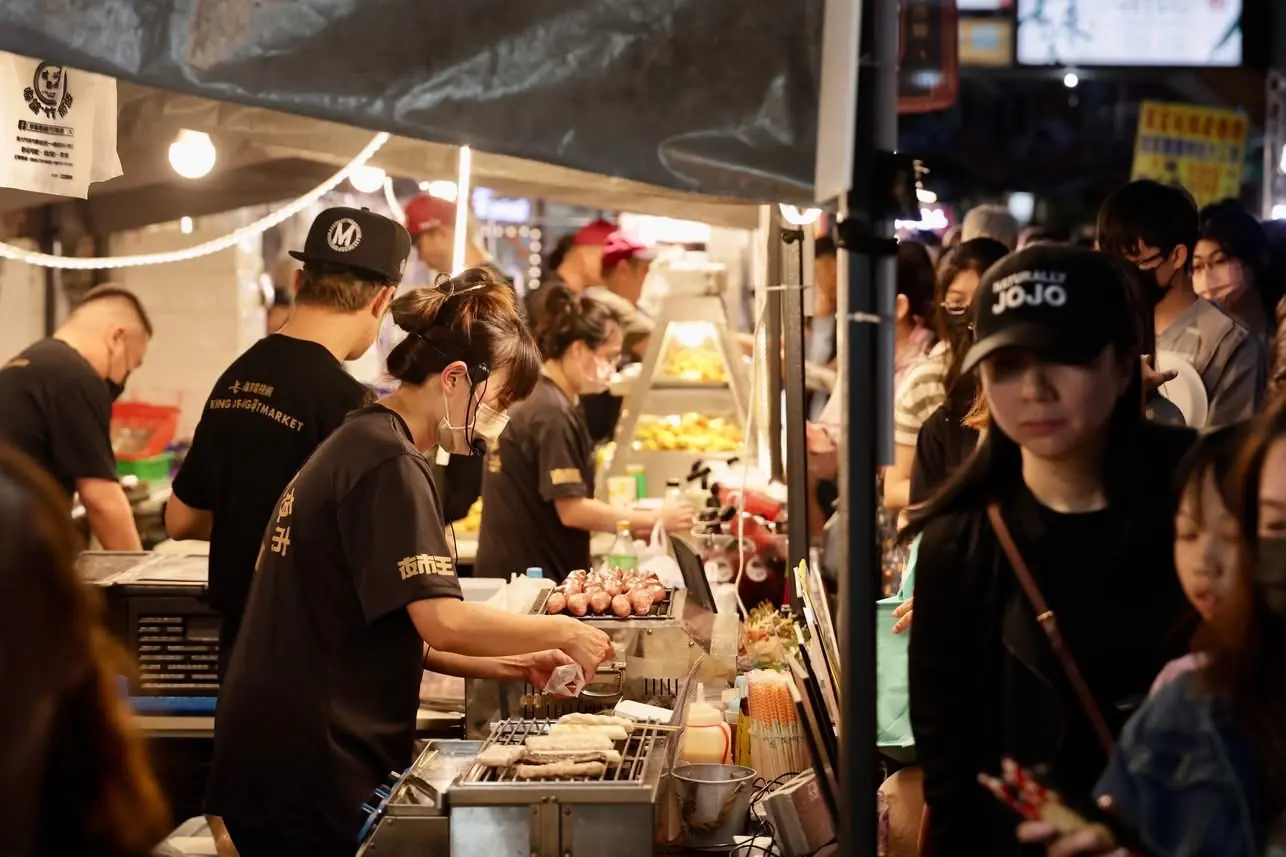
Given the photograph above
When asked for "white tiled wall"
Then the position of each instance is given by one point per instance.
(22, 304)
(205, 311)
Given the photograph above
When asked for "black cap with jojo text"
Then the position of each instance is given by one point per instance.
(358, 238)
(1066, 303)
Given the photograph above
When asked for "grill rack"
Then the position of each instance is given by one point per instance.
(536, 704)
(661, 610)
(512, 733)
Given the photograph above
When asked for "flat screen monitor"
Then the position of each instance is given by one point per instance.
(1175, 33)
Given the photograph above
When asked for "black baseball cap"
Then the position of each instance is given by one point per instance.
(1066, 303)
(360, 239)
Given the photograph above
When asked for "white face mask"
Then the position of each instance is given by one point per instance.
(455, 439)
(599, 379)
(489, 423)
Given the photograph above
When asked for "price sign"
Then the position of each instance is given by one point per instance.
(1201, 148)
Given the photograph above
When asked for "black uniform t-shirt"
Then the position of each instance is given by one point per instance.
(55, 408)
(320, 700)
(267, 413)
(545, 453)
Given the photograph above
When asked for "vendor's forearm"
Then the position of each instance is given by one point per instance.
(461, 628)
(463, 666)
(586, 513)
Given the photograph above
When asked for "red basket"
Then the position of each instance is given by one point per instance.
(142, 431)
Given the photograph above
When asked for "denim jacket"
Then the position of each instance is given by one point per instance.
(1183, 777)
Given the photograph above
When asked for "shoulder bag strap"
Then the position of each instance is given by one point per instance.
(1045, 617)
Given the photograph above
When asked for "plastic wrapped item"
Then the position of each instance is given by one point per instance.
(567, 680)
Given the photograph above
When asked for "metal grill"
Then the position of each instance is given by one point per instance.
(661, 692)
(661, 610)
(512, 733)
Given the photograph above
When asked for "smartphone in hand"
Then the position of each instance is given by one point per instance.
(1023, 792)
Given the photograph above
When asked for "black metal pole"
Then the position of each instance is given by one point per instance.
(866, 301)
(792, 309)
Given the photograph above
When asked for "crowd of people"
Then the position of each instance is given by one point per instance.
(1091, 466)
(1090, 459)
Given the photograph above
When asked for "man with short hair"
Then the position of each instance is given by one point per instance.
(278, 401)
(1155, 227)
(56, 405)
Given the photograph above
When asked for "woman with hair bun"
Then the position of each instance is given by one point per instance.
(355, 590)
(538, 493)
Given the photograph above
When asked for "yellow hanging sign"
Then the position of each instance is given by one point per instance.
(1201, 148)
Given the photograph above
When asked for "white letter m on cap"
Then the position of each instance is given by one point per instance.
(344, 235)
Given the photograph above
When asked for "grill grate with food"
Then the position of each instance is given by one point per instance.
(658, 610)
(633, 750)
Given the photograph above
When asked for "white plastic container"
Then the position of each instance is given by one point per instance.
(706, 738)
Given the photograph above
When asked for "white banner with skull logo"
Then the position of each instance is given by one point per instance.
(57, 127)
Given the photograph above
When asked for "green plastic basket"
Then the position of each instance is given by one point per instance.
(153, 469)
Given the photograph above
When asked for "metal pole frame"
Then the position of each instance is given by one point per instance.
(867, 295)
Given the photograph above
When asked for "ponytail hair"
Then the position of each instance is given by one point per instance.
(473, 318)
(569, 318)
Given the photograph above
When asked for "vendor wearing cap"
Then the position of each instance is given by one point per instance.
(355, 590)
(431, 222)
(578, 266)
(278, 401)
(626, 263)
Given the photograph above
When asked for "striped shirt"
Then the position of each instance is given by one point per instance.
(920, 394)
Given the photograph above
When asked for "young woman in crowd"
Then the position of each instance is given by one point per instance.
(946, 437)
(75, 777)
(355, 591)
(538, 493)
(1200, 770)
(1072, 474)
(1229, 267)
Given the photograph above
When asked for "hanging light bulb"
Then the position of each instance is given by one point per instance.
(192, 154)
(367, 179)
(795, 217)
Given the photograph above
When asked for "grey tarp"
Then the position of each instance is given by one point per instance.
(713, 96)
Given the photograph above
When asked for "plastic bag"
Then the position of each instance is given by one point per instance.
(657, 558)
(567, 680)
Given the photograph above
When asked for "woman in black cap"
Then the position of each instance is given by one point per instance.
(1066, 510)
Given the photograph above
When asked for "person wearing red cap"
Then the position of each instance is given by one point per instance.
(431, 222)
(577, 266)
(626, 263)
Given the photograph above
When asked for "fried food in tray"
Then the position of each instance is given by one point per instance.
(498, 756)
(607, 594)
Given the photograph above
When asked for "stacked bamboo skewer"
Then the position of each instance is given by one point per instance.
(776, 740)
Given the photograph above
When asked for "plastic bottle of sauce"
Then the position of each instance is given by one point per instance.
(706, 736)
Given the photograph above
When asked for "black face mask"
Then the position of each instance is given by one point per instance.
(1270, 573)
(1152, 285)
(961, 323)
(115, 388)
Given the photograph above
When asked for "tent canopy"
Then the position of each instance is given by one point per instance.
(717, 99)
